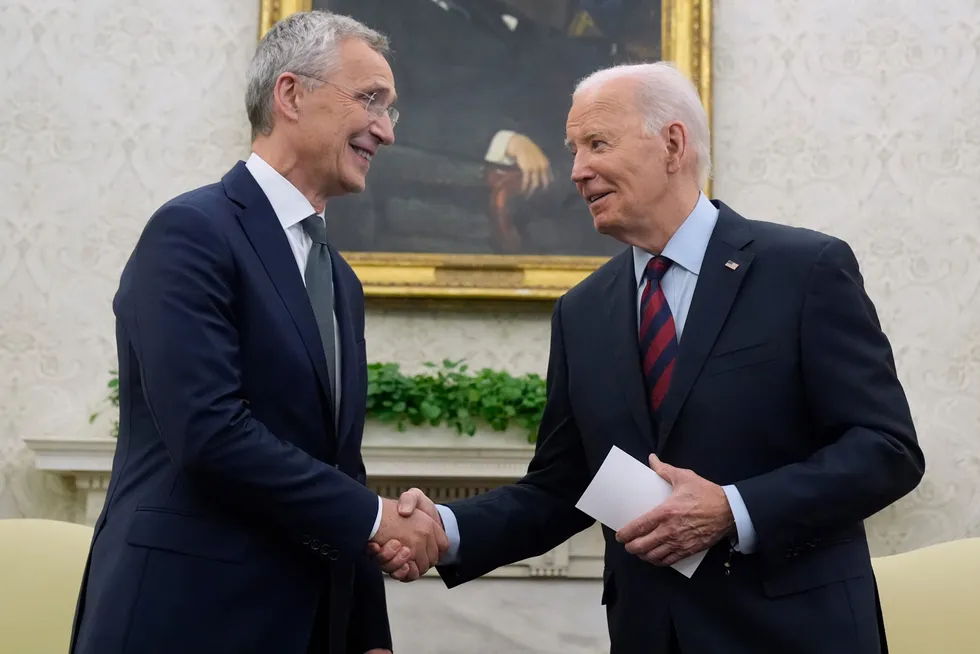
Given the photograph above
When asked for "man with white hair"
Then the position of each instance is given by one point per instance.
(745, 363)
(238, 515)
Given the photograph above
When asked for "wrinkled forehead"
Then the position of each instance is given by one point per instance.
(600, 111)
(365, 69)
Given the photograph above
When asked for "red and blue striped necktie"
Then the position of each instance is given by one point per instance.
(658, 338)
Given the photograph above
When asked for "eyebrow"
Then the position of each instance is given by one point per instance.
(382, 92)
(588, 137)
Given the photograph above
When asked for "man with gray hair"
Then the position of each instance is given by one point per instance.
(238, 516)
(744, 362)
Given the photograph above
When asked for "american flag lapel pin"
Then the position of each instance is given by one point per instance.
(731, 265)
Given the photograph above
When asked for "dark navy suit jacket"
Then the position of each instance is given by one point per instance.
(237, 515)
(785, 386)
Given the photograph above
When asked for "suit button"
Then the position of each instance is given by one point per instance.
(306, 539)
(334, 555)
(315, 544)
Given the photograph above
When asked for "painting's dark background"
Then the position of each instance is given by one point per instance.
(463, 75)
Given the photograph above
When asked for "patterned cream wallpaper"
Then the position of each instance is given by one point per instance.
(859, 118)
(836, 115)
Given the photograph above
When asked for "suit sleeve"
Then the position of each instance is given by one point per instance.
(368, 627)
(184, 326)
(870, 456)
(538, 513)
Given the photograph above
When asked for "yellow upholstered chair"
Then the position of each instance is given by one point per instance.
(930, 598)
(41, 565)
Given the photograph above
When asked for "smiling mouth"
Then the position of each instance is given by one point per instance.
(361, 152)
(592, 199)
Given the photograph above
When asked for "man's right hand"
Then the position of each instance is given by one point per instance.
(390, 552)
(402, 527)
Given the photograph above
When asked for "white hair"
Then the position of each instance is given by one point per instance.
(664, 95)
(304, 43)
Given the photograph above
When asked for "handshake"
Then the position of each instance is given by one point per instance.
(411, 538)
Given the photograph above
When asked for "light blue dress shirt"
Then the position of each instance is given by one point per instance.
(686, 249)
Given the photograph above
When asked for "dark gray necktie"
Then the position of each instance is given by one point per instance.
(319, 286)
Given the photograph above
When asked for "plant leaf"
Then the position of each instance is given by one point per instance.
(450, 394)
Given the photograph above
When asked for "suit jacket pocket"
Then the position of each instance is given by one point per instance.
(813, 568)
(186, 534)
(740, 357)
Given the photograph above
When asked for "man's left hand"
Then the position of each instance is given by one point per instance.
(378, 651)
(692, 519)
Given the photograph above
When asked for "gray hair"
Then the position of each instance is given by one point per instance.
(665, 95)
(303, 43)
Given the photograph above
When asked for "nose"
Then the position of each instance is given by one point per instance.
(383, 130)
(581, 171)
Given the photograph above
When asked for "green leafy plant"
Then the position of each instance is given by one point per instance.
(448, 394)
(113, 399)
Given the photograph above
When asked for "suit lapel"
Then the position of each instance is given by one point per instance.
(620, 296)
(348, 352)
(717, 286)
(264, 231)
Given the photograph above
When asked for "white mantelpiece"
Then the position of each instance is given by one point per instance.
(445, 465)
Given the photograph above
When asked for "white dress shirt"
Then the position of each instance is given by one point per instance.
(292, 208)
(686, 249)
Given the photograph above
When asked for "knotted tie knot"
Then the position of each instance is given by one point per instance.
(315, 228)
(656, 268)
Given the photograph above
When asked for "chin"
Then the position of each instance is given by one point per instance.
(353, 183)
(606, 224)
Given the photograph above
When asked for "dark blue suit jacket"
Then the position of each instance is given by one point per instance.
(237, 515)
(785, 386)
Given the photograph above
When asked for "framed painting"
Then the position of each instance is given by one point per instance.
(474, 199)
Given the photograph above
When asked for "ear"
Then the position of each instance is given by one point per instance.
(287, 94)
(675, 136)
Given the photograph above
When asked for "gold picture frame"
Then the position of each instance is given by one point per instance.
(686, 41)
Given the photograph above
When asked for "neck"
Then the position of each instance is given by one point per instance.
(666, 218)
(285, 161)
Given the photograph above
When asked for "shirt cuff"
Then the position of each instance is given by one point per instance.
(451, 527)
(497, 152)
(743, 522)
(377, 521)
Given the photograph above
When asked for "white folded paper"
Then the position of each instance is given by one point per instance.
(623, 490)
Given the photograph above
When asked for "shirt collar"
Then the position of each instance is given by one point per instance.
(687, 246)
(290, 205)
